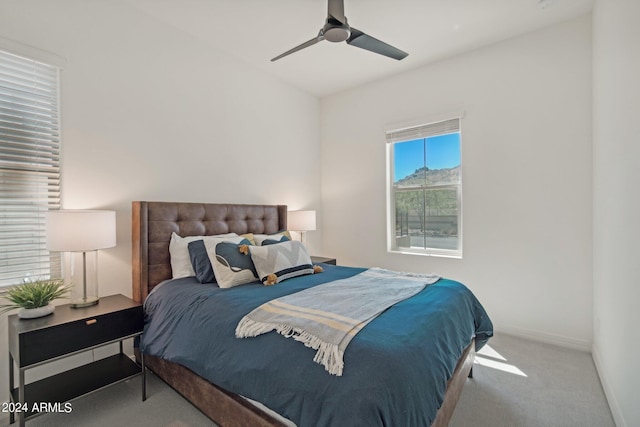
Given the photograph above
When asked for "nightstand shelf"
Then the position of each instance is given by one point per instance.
(69, 331)
(78, 381)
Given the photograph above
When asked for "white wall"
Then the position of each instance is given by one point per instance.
(526, 164)
(616, 150)
(150, 113)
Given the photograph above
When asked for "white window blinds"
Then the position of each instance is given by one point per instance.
(424, 131)
(29, 167)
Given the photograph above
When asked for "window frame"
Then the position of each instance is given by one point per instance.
(394, 136)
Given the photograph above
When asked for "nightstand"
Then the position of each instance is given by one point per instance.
(318, 259)
(33, 342)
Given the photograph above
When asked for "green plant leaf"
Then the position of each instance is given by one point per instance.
(38, 293)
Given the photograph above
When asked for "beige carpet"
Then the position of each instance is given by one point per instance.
(518, 383)
(521, 383)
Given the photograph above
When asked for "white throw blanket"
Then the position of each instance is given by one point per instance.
(327, 317)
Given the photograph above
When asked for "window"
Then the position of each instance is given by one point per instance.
(425, 189)
(29, 167)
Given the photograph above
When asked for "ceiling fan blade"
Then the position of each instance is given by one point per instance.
(336, 10)
(299, 47)
(365, 41)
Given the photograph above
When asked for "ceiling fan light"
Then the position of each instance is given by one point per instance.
(336, 34)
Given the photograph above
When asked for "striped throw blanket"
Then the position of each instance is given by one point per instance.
(328, 316)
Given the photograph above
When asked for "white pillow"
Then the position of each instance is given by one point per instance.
(231, 267)
(179, 252)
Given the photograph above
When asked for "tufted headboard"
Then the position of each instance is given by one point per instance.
(153, 223)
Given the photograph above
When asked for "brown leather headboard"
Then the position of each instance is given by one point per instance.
(153, 223)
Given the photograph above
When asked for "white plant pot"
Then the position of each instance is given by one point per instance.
(32, 313)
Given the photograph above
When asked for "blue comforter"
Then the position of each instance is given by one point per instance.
(395, 369)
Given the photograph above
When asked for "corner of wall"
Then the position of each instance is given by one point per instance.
(614, 406)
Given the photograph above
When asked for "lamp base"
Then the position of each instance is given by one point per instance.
(84, 302)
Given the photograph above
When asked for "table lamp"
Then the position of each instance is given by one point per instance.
(81, 231)
(301, 221)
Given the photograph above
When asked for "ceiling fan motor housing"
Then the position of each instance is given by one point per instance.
(335, 31)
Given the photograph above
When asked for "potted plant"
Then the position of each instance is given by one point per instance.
(34, 298)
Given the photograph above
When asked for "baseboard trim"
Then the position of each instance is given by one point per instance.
(559, 340)
(614, 407)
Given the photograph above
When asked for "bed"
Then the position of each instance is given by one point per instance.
(217, 394)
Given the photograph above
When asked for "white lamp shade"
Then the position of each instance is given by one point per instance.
(80, 230)
(301, 220)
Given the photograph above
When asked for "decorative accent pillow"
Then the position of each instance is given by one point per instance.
(249, 237)
(274, 241)
(231, 265)
(179, 251)
(275, 263)
(259, 238)
(199, 254)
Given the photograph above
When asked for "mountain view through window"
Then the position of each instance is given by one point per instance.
(426, 193)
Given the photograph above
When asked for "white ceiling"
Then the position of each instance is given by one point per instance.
(255, 31)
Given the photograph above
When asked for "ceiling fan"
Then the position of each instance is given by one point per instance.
(336, 29)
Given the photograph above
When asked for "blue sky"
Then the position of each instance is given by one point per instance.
(443, 151)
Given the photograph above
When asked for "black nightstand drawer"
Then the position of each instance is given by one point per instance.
(44, 344)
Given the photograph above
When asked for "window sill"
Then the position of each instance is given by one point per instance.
(443, 254)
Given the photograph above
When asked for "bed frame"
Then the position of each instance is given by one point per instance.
(152, 225)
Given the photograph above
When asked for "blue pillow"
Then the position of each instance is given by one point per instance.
(200, 262)
(266, 242)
